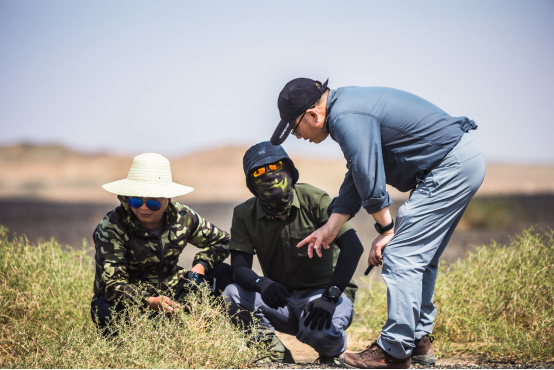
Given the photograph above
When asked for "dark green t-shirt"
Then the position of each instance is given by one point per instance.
(274, 240)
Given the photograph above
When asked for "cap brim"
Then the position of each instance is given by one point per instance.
(282, 132)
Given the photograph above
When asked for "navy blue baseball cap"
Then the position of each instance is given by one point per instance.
(296, 97)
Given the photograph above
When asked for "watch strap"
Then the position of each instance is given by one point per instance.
(382, 229)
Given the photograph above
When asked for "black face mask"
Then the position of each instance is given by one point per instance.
(274, 190)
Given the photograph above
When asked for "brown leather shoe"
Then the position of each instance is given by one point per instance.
(375, 358)
(423, 353)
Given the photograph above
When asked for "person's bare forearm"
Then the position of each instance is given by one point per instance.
(383, 217)
(336, 221)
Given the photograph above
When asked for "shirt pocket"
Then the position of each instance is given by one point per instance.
(440, 177)
(427, 184)
(301, 259)
(296, 237)
(311, 273)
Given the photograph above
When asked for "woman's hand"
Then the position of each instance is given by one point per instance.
(199, 269)
(162, 304)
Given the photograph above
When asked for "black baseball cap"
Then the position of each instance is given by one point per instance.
(296, 97)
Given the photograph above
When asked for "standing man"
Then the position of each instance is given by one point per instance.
(391, 137)
(138, 245)
(311, 299)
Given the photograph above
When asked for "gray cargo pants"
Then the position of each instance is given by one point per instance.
(290, 320)
(424, 225)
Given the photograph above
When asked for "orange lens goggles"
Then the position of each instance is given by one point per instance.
(271, 167)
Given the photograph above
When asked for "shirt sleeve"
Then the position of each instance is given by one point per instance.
(359, 137)
(213, 241)
(109, 242)
(323, 215)
(240, 238)
(349, 201)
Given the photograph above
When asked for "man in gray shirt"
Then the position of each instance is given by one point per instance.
(391, 137)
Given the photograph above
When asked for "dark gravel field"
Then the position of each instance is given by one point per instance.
(494, 218)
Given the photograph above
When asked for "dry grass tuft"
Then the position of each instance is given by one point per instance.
(496, 303)
(45, 320)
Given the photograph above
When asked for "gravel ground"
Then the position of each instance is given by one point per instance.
(441, 364)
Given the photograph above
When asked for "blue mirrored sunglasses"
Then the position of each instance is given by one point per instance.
(152, 204)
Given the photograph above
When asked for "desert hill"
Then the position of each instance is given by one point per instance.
(57, 173)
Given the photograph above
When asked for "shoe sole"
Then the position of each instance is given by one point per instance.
(424, 360)
(344, 365)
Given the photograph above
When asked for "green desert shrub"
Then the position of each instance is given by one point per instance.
(497, 302)
(45, 294)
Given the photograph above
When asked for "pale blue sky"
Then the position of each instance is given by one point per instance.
(175, 77)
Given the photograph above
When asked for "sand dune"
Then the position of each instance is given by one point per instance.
(58, 174)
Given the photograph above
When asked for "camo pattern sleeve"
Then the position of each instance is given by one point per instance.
(112, 274)
(213, 241)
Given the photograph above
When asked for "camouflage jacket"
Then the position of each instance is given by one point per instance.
(131, 262)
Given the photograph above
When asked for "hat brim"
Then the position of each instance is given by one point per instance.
(146, 189)
(282, 131)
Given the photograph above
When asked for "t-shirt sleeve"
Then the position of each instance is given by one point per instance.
(240, 237)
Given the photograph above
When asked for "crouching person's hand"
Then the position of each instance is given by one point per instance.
(273, 294)
(320, 313)
(162, 304)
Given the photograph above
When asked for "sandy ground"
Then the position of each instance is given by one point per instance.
(50, 192)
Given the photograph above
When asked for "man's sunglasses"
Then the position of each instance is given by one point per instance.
(293, 131)
(271, 167)
(152, 204)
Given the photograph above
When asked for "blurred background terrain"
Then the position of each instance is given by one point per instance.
(52, 191)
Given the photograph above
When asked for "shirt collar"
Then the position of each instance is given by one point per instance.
(261, 213)
(330, 103)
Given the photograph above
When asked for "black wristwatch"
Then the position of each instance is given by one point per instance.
(332, 293)
(381, 229)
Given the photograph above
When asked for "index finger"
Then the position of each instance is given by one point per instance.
(306, 240)
(311, 240)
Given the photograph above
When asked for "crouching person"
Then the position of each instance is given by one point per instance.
(311, 299)
(138, 245)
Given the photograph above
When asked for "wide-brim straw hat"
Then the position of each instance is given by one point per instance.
(149, 177)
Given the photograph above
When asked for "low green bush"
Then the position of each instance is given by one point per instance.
(497, 302)
(45, 294)
(494, 213)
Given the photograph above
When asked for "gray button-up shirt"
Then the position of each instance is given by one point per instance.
(387, 136)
